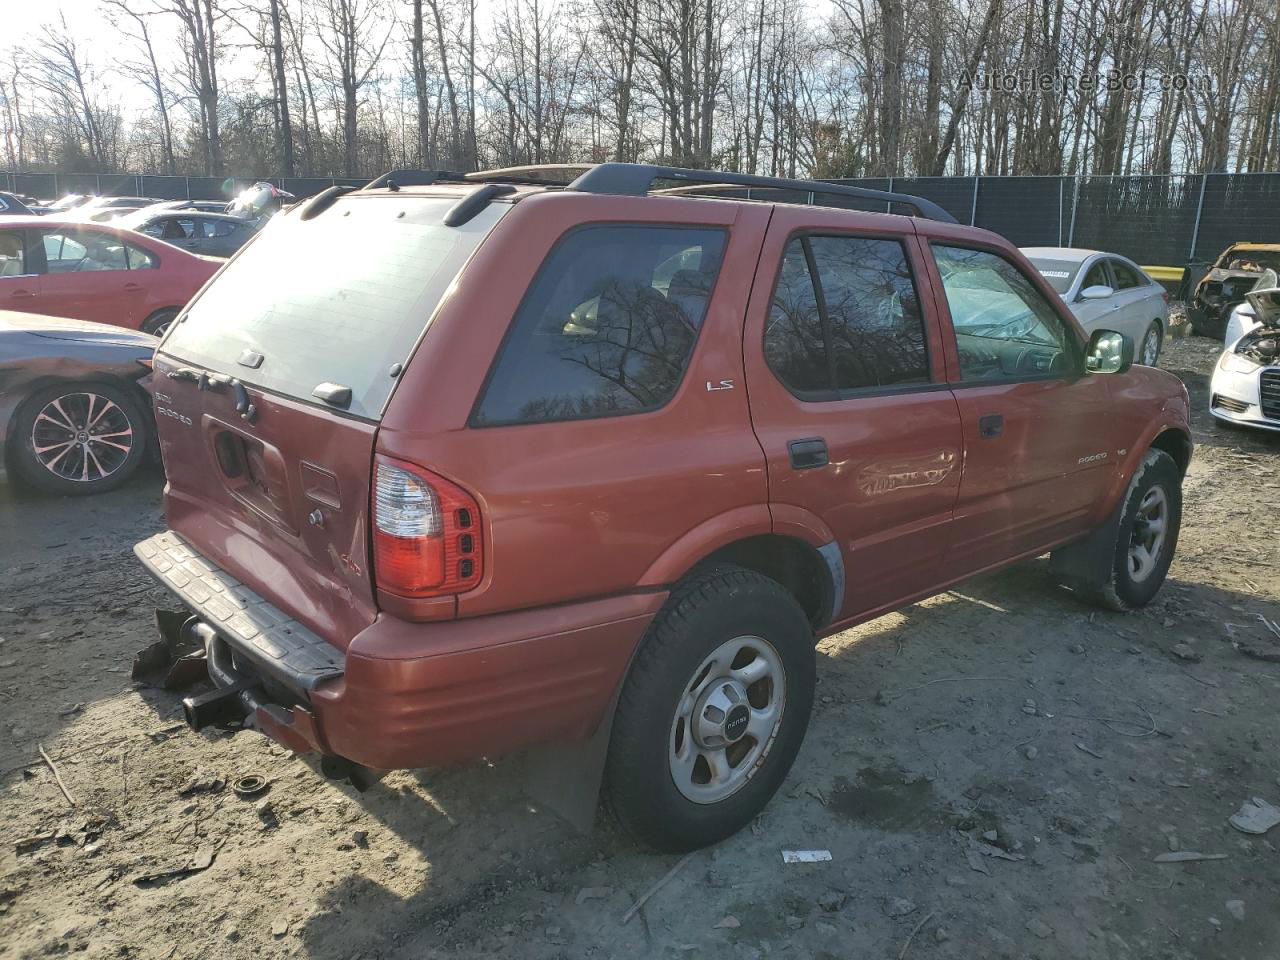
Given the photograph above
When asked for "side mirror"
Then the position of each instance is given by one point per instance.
(1109, 352)
(1097, 292)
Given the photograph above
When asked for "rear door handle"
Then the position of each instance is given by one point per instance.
(992, 425)
(22, 295)
(808, 453)
(133, 286)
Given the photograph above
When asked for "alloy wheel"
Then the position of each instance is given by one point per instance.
(1150, 529)
(727, 719)
(1151, 347)
(82, 437)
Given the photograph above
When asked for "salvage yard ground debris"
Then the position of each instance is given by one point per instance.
(949, 836)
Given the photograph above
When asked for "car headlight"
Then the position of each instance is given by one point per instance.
(1234, 363)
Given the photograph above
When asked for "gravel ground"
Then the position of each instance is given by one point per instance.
(994, 772)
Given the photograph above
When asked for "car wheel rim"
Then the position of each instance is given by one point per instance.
(1151, 347)
(1150, 530)
(727, 719)
(82, 437)
(162, 328)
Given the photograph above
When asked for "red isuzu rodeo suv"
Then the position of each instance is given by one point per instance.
(462, 464)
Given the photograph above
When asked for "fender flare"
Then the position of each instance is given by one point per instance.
(1134, 455)
(704, 539)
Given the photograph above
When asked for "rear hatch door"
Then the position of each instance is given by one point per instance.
(270, 388)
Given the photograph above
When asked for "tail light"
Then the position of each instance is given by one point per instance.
(1165, 294)
(426, 532)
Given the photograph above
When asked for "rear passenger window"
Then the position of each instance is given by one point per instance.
(877, 332)
(139, 259)
(607, 326)
(857, 326)
(794, 344)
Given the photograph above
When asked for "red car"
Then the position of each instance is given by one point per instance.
(96, 272)
(597, 466)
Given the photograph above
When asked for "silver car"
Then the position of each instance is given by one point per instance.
(208, 234)
(1107, 291)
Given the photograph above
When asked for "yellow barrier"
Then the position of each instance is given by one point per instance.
(1164, 274)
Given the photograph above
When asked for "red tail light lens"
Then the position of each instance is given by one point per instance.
(426, 532)
(1165, 294)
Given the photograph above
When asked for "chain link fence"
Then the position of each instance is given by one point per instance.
(1155, 220)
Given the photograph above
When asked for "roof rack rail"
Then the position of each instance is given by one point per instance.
(547, 174)
(413, 178)
(636, 179)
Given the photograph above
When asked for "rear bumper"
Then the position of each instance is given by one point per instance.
(409, 695)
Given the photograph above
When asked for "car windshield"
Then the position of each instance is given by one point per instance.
(341, 298)
(1059, 273)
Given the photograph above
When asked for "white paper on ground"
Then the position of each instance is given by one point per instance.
(805, 856)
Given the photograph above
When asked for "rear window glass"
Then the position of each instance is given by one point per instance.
(1059, 273)
(340, 298)
(607, 326)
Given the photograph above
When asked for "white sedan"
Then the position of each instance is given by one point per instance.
(1107, 291)
(1245, 388)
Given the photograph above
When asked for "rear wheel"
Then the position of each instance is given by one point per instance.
(79, 438)
(158, 323)
(713, 711)
(1149, 352)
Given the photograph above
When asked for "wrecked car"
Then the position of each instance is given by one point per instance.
(1232, 276)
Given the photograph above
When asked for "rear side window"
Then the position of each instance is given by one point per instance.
(794, 342)
(607, 326)
(139, 259)
(845, 317)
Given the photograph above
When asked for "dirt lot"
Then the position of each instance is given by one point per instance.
(984, 709)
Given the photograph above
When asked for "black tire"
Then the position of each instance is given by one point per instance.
(1157, 331)
(158, 322)
(34, 474)
(713, 605)
(1099, 569)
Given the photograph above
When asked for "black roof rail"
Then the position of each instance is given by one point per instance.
(413, 178)
(322, 201)
(636, 179)
(547, 174)
(475, 201)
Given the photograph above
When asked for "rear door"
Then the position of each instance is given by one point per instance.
(1134, 294)
(265, 477)
(86, 276)
(845, 372)
(1037, 459)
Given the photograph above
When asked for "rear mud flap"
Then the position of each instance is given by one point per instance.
(567, 778)
(176, 660)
